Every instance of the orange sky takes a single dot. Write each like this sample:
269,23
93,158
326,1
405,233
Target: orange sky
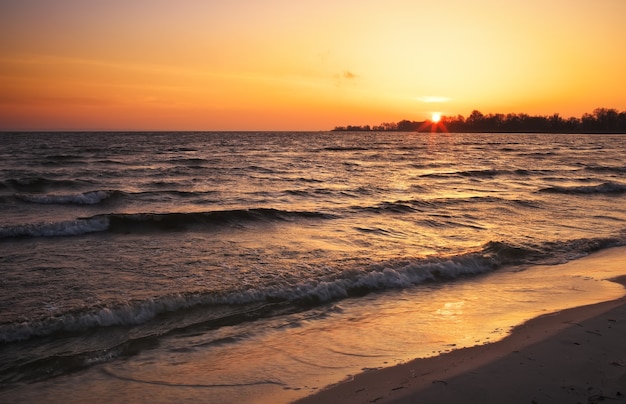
296,65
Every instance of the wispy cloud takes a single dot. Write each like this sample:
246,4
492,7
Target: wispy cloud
345,77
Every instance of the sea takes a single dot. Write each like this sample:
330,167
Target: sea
264,266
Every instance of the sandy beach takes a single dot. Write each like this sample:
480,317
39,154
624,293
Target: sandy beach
573,356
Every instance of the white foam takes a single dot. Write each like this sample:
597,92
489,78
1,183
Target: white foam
65,228
400,275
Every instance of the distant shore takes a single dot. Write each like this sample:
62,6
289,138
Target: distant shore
601,120
576,355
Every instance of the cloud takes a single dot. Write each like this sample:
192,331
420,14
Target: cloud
344,77
431,98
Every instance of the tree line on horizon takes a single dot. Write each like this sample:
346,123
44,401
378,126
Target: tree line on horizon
601,120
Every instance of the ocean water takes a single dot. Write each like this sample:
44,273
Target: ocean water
230,267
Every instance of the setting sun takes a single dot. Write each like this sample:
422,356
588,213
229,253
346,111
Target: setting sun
340,165
243,65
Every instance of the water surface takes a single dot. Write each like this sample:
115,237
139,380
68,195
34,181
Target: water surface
242,264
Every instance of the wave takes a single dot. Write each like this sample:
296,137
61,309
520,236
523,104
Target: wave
104,196
192,161
295,296
486,173
64,228
482,173
62,160
146,222
64,157
38,184
345,148
607,169
179,221
83,198
604,188
432,205
391,207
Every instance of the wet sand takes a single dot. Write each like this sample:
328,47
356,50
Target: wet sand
572,356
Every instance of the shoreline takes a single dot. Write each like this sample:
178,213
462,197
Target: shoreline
575,355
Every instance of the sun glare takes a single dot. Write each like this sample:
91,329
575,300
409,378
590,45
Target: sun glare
435,117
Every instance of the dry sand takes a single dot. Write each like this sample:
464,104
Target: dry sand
573,356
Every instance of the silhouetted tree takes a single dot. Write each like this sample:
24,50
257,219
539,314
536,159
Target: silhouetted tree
607,120
588,123
475,120
602,120
406,126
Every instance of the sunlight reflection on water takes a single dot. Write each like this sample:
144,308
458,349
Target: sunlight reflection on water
297,354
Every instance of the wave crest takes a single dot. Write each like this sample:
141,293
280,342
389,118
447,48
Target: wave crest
84,198
64,228
147,222
288,295
604,188
38,184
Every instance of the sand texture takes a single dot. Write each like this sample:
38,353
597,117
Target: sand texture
573,356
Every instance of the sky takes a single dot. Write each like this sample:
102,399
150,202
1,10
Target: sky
302,65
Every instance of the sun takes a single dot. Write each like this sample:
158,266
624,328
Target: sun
435,124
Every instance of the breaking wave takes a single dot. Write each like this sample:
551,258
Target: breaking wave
396,274
64,228
146,222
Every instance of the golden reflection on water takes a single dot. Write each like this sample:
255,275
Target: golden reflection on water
298,354
306,353
451,310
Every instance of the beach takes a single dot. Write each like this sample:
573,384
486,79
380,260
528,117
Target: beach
576,355
253,202
263,267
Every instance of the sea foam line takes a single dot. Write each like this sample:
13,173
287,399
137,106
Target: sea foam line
378,277
381,277
65,228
